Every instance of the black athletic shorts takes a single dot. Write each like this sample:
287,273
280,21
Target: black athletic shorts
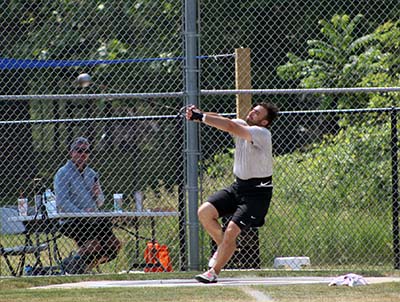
247,201
83,230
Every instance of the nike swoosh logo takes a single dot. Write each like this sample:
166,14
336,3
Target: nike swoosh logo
265,185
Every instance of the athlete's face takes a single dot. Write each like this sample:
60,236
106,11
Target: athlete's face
257,116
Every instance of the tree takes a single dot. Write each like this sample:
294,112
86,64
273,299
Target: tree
385,55
343,59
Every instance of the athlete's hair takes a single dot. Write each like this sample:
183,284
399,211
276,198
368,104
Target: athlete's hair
272,112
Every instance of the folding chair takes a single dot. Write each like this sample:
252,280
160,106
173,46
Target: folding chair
16,228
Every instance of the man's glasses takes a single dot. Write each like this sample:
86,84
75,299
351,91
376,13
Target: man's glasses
80,151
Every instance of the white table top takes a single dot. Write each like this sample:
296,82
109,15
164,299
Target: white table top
97,214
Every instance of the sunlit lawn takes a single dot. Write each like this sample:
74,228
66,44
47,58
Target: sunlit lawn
19,289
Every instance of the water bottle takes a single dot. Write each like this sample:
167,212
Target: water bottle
139,201
22,205
50,202
38,204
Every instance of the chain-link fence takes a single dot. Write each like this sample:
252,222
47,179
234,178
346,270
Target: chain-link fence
333,177
332,202
133,150
335,194
302,44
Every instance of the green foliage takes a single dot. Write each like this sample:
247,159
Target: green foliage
327,59
337,196
220,165
331,175
342,59
331,203
340,165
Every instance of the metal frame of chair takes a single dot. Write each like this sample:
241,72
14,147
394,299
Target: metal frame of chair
22,251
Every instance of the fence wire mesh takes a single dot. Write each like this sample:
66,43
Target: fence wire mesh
333,185
333,169
302,44
134,150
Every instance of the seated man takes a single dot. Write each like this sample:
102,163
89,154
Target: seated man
77,189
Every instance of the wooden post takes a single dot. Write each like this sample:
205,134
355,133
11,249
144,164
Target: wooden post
242,81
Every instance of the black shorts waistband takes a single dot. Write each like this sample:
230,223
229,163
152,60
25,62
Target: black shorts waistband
254,181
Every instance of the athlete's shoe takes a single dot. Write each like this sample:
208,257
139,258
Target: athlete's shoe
208,277
212,260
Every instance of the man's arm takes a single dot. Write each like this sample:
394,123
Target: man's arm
217,121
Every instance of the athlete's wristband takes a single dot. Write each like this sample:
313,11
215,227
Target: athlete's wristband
197,116
203,119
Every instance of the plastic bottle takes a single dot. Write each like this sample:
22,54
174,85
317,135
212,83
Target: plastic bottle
50,202
22,204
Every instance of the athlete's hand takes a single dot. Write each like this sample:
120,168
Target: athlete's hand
194,114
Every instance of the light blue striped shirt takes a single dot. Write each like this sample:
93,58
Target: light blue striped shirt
74,190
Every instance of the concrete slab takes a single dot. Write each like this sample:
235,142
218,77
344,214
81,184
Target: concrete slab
268,281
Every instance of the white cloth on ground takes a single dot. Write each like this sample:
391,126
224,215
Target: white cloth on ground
349,280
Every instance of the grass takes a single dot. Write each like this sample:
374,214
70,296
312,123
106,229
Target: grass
386,292
18,289
126,294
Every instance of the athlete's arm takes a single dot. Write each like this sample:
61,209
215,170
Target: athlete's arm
222,123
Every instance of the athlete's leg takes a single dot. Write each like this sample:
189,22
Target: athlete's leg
208,216
227,246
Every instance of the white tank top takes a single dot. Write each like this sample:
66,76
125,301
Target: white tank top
253,159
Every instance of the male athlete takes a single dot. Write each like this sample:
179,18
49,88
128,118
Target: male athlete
247,199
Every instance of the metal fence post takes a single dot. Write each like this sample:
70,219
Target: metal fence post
395,189
192,140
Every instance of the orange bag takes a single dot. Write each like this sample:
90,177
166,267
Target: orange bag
157,257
